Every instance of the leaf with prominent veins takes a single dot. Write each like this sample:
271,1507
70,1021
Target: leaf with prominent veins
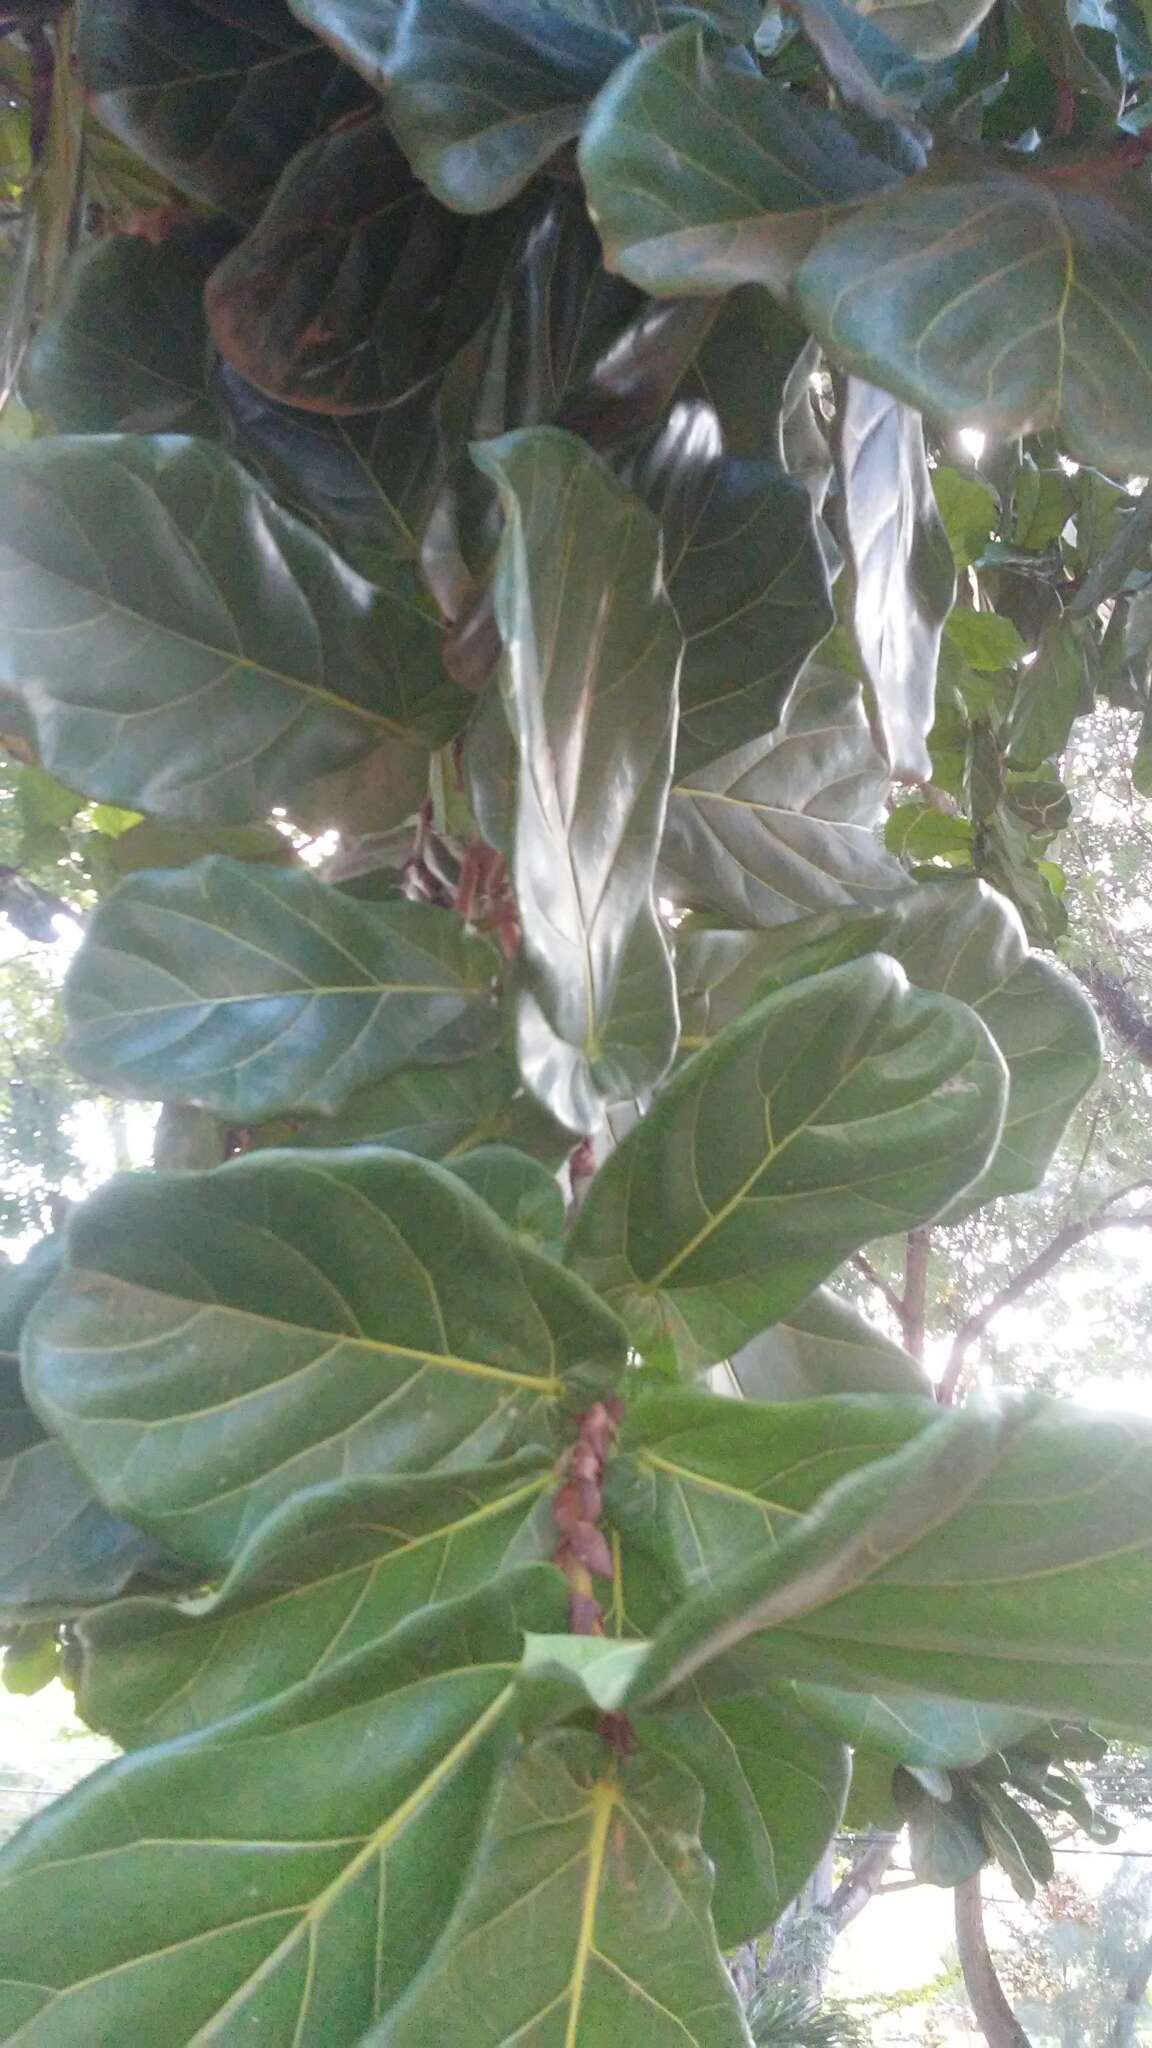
221,1340
255,991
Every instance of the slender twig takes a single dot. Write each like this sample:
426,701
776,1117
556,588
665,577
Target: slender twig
914,1307
1037,1269
864,1265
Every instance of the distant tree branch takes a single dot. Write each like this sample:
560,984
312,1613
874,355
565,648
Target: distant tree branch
914,1307
1122,2032
862,1881
864,1265
994,2016
1037,1269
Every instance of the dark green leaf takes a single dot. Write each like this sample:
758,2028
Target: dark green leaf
152,845
702,1483
1008,301
871,71
217,100
922,1572
945,1842
256,990
850,1097
700,174
902,567
227,655
482,92
1045,500
59,1549
747,578
355,288
1017,1841
774,1789
442,1112
1049,695
284,1874
590,671
824,1347
222,1339
970,511
523,1193
328,1573
584,1918
784,826
126,346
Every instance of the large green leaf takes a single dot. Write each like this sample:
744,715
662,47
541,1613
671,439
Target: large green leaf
442,1113
329,1572
524,1194
702,1483
774,1788
1008,301
784,826
216,99
938,1733
700,174
354,288
844,1108
928,28
482,92
746,576
283,1875
592,655
222,1339
903,581
824,1347
585,1918
183,646
960,938
1003,1556
59,1549
253,990
126,346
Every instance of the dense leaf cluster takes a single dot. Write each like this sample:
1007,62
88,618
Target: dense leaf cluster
504,454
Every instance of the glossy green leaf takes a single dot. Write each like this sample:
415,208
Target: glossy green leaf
774,1788
329,1572
482,92
1008,302
1045,500
126,346
217,100
927,28
960,938
902,567
969,509
924,1572
869,70
59,1549
702,1483
386,287
442,1112
585,1917
184,646
747,578
592,656
285,1873
784,826
702,1227
523,1193
701,175
255,990
824,1347
222,1339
